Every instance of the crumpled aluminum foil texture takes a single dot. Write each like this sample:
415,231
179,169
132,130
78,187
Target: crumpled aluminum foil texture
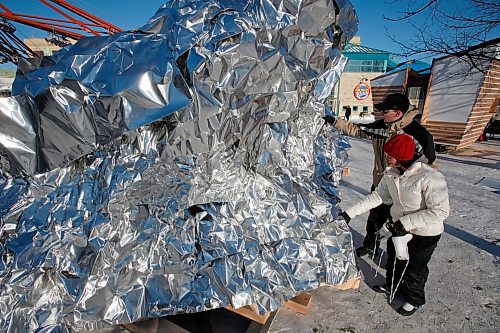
180,167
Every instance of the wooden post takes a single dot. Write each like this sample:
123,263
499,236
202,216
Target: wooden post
251,312
300,303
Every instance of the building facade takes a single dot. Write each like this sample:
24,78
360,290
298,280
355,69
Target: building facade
46,46
353,88
6,79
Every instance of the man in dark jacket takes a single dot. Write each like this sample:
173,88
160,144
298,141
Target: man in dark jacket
398,118
347,112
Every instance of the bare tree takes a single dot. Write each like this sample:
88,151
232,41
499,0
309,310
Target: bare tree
444,27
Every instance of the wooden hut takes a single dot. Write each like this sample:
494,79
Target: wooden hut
461,98
410,78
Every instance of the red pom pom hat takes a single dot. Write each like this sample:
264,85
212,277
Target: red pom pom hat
401,147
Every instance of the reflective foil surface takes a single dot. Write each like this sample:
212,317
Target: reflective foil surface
179,167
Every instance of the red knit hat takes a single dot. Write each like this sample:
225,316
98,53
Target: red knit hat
401,147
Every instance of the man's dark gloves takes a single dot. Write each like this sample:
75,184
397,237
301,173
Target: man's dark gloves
330,119
345,217
396,228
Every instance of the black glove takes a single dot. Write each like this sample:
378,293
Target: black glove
330,119
345,217
396,228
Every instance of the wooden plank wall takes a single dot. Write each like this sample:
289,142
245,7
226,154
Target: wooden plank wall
445,132
463,134
379,93
484,107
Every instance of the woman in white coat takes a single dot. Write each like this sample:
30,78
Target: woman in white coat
419,198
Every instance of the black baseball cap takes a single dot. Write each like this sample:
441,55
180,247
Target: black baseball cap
394,101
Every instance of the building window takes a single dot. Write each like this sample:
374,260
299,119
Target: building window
355,108
366,66
365,108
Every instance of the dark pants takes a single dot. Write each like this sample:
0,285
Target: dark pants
412,285
376,219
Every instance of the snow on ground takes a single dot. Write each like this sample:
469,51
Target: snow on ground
463,290
362,120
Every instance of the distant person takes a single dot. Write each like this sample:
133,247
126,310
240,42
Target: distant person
347,112
420,204
493,127
397,118
487,128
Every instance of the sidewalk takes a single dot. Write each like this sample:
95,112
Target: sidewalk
486,152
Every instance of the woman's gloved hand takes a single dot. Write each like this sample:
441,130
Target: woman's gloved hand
396,228
384,232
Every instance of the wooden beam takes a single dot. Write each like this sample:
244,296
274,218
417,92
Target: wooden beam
452,123
168,326
425,109
349,284
251,312
300,303
259,328
143,326
443,132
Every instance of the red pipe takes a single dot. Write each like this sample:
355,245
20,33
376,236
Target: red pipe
92,18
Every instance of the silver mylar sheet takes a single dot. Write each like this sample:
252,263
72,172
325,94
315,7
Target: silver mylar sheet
180,167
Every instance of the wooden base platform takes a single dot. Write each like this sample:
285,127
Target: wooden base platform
300,303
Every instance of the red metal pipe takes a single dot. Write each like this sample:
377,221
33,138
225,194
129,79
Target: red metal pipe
36,24
50,25
77,22
12,47
92,18
42,18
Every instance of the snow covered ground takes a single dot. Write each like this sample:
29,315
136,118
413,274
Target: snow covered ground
362,120
463,290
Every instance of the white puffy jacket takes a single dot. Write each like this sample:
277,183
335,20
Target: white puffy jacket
419,199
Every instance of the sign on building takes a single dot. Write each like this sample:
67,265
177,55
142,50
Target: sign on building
362,91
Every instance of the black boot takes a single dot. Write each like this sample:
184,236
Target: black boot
383,289
363,251
407,309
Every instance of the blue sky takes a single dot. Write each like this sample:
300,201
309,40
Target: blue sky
372,25
128,14
373,28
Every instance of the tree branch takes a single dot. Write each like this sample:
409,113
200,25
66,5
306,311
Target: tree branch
441,31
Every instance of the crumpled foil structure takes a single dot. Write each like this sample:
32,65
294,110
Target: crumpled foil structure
180,167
